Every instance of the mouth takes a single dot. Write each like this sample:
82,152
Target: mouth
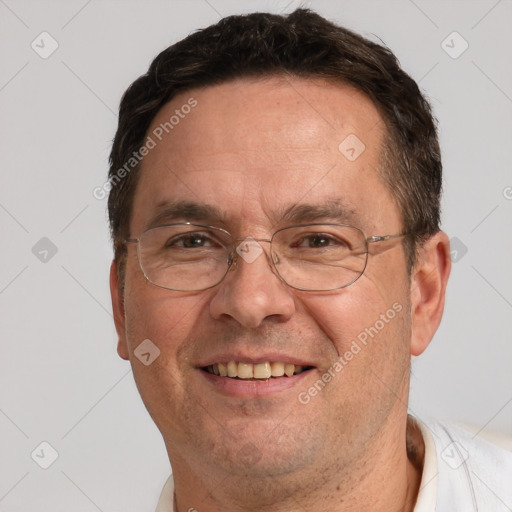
263,371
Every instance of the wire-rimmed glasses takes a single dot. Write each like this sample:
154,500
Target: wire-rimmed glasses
314,257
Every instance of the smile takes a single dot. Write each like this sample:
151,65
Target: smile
257,371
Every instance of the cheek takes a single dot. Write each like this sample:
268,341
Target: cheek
367,378
370,371
363,324
165,317
168,322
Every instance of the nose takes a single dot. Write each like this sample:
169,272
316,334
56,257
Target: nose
251,292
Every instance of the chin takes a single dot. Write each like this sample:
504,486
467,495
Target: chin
258,448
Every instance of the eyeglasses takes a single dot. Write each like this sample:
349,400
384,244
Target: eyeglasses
315,257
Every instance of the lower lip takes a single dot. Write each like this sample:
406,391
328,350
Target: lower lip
254,388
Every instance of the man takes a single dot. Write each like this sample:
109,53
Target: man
278,259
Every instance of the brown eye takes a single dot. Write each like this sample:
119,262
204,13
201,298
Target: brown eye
316,241
190,241
320,241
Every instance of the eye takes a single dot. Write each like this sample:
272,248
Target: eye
316,241
320,241
191,241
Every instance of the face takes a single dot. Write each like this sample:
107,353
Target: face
254,156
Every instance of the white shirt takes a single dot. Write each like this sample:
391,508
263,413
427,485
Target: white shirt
461,473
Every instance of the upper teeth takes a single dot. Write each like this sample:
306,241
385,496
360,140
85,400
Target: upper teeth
254,371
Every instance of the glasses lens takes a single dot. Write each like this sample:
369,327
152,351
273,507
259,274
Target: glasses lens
184,257
320,257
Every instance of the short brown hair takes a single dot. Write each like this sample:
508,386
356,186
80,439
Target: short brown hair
301,44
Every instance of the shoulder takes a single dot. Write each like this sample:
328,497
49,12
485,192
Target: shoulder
473,474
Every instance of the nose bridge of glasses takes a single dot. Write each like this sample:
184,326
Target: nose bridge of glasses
249,249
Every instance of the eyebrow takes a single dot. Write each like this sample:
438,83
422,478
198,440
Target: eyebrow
187,211
333,210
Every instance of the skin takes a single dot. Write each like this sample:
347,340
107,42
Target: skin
344,450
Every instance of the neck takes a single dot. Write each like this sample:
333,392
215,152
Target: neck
387,478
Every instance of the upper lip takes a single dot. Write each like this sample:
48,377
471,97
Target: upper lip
270,357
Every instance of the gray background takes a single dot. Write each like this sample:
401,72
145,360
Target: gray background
61,380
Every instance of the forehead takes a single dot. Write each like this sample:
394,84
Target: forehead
252,150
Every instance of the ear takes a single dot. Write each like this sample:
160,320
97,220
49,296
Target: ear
118,310
428,288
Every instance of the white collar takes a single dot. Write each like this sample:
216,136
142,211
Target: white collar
166,500
427,495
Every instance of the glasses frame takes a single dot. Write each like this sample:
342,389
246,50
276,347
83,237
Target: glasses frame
234,256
